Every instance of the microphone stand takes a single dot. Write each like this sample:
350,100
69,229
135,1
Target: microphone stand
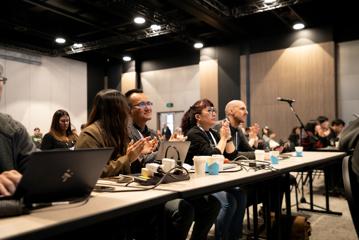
302,199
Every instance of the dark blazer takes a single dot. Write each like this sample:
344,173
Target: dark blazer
201,145
135,135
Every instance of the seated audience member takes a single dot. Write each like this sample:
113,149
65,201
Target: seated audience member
61,134
268,138
323,132
253,137
309,140
205,208
197,125
337,127
37,137
108,127
236,114
294,138
15,146
178,135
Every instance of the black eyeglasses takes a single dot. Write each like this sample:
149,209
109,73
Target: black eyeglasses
143,105
3,79
211,110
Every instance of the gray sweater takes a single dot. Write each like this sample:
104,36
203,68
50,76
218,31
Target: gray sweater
15,144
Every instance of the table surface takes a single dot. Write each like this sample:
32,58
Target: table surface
103,206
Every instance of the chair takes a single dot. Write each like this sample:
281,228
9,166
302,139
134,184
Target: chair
351,187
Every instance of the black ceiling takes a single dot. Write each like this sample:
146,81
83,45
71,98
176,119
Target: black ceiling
106,28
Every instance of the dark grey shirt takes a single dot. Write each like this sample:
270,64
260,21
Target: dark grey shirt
15,144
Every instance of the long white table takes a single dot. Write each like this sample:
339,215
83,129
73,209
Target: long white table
47,222
50,221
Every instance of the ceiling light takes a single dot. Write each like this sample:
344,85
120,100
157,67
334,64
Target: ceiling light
77,45
298,26
60,40
126,58
269,1
155,27
139,20
198,45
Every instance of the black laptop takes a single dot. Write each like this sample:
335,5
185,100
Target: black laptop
61,175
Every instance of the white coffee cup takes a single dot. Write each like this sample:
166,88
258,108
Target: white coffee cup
259,154
199,163
220,160
168,164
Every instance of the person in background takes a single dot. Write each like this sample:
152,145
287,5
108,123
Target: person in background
294,138
178,135
253,137
37,137
15,146
323,132
197,125
61,134
337,127
166,132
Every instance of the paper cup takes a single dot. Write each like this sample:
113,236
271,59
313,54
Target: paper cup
259,154
199,163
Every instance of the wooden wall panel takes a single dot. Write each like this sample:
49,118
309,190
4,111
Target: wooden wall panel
128,81
243,76
304,73
208,75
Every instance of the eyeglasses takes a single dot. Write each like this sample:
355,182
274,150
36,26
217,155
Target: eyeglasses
143,105
211,110
3,79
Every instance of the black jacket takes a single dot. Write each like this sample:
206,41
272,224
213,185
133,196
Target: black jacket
201,145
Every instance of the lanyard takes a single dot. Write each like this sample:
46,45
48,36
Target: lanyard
213,138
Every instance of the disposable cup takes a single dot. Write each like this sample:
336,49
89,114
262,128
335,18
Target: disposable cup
199,163
259,154
299,151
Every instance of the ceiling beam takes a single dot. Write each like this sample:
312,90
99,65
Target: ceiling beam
206,16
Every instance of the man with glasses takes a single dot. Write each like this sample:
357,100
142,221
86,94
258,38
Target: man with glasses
15,145
141,113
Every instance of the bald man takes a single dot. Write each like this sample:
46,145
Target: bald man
236,113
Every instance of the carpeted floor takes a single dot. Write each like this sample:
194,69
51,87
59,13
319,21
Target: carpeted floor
324,226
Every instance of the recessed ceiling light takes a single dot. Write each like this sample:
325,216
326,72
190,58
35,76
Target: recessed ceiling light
198,45
298,26
269,1
139,20
155,27
77,45
126,58
60,40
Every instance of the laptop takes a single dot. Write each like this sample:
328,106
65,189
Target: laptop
61,175
175,150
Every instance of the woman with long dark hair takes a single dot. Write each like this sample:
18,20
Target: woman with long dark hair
107,127
61,134
197,125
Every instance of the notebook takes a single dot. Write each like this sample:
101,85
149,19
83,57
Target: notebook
61,175
175,150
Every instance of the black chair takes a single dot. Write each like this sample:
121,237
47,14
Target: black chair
351,187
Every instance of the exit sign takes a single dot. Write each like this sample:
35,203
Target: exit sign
169,105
